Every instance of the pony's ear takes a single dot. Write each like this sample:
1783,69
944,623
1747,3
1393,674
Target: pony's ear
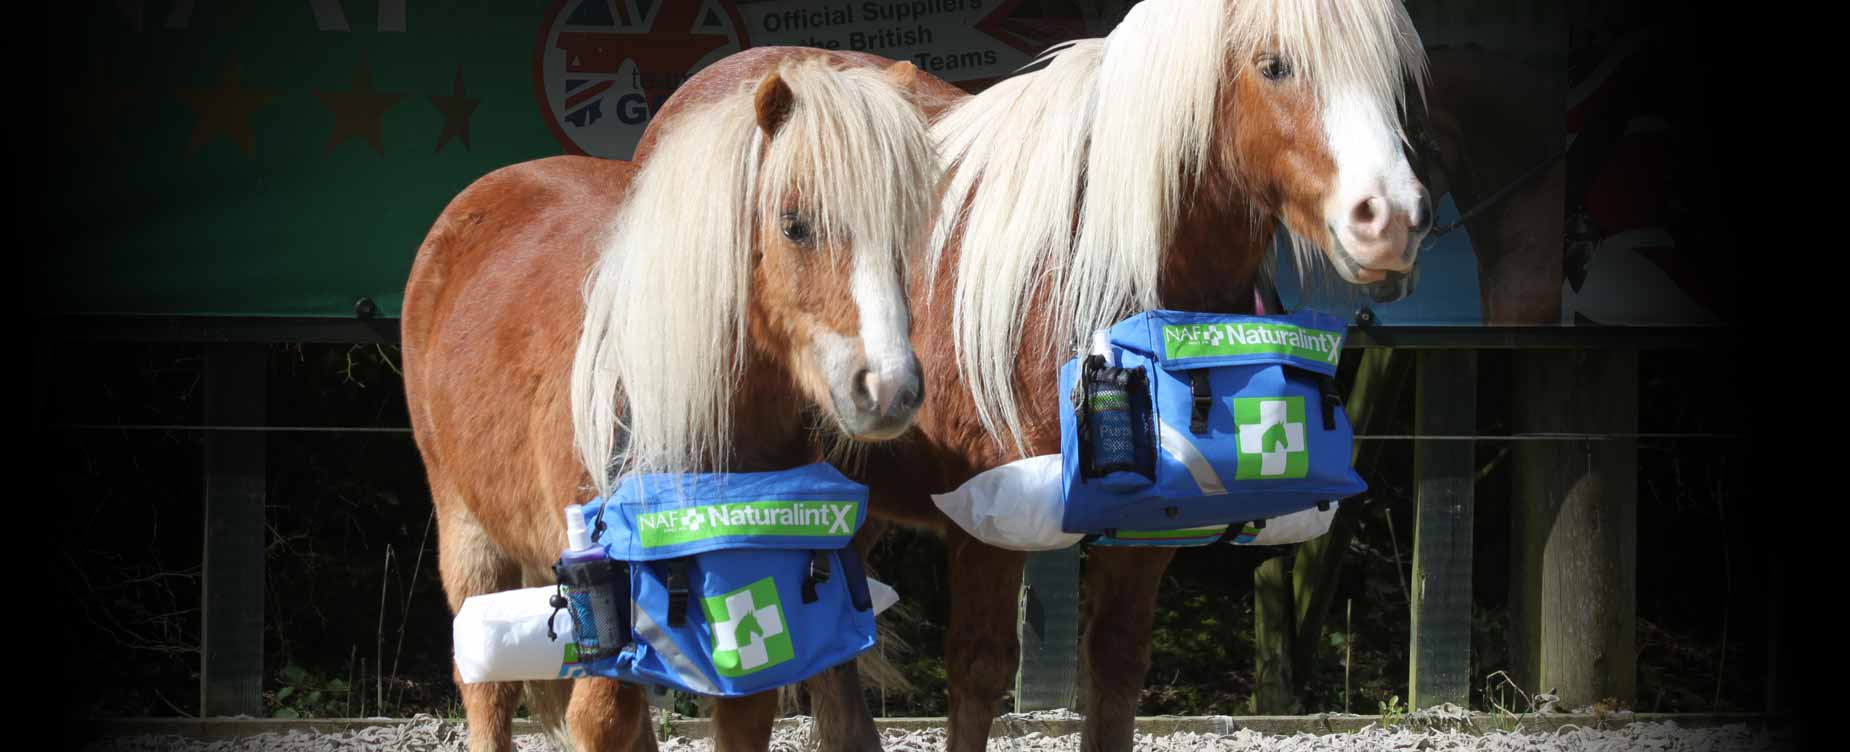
904,75
773,102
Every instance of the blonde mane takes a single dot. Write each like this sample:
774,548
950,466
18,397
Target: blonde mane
1115,132
664,339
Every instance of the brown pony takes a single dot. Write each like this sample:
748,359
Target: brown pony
1489,123
1141,170
715,309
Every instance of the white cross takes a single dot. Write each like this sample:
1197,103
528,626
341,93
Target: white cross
1271,460
725,633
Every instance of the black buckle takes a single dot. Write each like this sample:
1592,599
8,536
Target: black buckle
1331,401
676,582
819,572
1204,399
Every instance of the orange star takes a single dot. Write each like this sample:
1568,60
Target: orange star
455,108
224,109
359,112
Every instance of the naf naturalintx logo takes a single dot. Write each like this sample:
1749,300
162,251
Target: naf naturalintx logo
775,518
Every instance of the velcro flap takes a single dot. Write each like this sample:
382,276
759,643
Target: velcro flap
652,517
1182,340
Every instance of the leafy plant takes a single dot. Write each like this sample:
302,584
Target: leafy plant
305,695
1392,712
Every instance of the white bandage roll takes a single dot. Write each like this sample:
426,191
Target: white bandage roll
501,637
1016,506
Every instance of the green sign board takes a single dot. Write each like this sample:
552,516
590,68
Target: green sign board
286,157
279,158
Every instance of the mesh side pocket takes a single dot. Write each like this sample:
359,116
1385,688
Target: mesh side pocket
597,593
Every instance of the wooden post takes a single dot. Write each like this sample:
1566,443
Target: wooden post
1574,526
235,386
1048,628
1313,580
1275,689
1444,472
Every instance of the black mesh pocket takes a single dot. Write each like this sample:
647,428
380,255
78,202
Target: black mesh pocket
597,594
1113,415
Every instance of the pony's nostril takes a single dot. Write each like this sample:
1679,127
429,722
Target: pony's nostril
866,390
909,397
1369,219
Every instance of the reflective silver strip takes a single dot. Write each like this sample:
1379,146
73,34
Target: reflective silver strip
1184,451
651,633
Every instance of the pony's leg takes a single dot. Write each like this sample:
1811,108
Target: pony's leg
470,564
840,709
743,724
1120,609
606,714
981,651
843,723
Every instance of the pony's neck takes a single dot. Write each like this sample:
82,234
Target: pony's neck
768,430
1219,242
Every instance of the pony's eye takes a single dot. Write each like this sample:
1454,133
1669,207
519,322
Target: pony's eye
797,229
1273,68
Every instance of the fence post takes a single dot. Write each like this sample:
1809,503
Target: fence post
1048,628
1574,526
1444,471
235,387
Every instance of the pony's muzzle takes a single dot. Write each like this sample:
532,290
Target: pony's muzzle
887,398
1376,235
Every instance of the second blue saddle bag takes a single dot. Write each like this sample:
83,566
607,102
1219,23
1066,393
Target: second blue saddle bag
1231,419
736,582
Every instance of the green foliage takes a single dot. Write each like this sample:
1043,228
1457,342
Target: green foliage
301,694
1392,712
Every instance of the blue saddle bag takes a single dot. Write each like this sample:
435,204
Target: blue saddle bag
1233,419
737,582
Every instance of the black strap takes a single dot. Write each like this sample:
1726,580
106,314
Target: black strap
819,572
852,568
1331,401
1204,399
558,603
1232,531
677,591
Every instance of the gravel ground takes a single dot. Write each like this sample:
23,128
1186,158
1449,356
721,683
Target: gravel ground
427,734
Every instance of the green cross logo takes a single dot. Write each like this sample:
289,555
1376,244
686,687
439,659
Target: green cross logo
748,629
1271,431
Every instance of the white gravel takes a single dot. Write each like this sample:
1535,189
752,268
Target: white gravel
427,734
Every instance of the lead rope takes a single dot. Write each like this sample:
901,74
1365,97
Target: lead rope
1509,188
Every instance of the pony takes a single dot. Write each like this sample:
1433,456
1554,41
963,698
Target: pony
726,307
1490,135
1146,169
